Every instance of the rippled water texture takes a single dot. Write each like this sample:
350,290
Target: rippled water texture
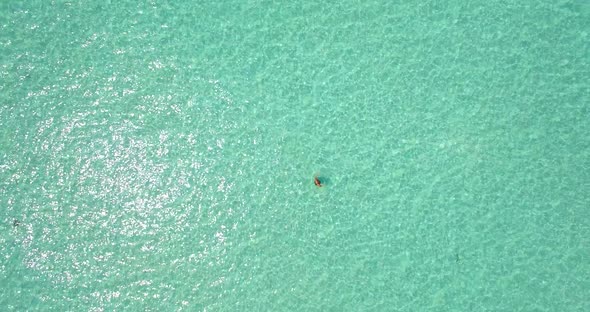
160,156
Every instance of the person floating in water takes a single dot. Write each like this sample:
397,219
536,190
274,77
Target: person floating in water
317,182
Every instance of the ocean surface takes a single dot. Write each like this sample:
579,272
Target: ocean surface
160,155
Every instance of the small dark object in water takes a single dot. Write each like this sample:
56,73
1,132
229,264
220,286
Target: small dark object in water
317,182
15,223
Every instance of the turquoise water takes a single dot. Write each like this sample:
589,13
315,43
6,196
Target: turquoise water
160,156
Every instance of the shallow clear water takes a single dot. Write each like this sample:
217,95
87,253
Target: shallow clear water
160,156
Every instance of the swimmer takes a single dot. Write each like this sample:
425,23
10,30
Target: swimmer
317,181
